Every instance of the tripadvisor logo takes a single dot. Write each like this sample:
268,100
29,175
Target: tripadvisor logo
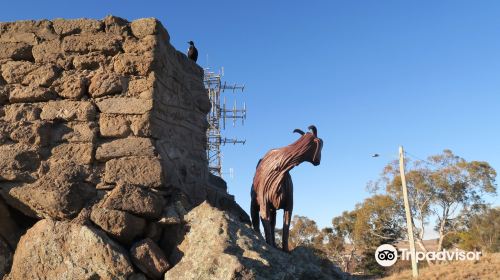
387,255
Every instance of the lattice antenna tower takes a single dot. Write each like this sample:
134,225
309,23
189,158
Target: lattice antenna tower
218,116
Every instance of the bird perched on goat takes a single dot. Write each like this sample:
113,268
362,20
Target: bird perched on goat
272,187
192,52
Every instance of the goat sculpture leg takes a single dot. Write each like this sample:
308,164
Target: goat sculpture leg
273,227
254,211
286,228
266,222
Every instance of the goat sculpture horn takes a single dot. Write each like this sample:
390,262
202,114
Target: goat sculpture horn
314,130
299,131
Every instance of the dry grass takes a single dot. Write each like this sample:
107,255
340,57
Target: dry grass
488,267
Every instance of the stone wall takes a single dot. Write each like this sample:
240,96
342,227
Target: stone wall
102,122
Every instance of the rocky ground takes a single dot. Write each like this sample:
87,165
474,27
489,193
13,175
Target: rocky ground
218,246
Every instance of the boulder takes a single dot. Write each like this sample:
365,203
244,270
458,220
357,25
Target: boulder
135,200
232,250
121,225
149,258
65,250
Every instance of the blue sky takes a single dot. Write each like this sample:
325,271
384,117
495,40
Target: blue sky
371,75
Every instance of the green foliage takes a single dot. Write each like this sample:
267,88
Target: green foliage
441,187
303,232
482,232
444,186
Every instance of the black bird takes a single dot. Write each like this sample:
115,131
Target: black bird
192,51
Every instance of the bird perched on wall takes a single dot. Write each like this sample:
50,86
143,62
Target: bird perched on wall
192,51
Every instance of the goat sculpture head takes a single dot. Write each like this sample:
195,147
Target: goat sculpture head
312,145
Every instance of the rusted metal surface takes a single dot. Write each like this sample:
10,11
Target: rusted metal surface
272,187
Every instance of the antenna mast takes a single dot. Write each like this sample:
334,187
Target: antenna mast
218,115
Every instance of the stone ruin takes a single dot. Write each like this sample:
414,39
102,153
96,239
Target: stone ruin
102,155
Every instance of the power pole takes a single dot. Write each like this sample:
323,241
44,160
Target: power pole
409,224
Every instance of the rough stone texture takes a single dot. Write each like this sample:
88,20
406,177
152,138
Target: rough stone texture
149,26
149,258
170,216
106,43
143,171
43,76
18,161
30,93
73,85
60,194
131,146
21,112
218,246
133,64
124,105
102,122
81,153
105,84
121,225
15,51
74,132
15,71
64,250
31,133
68,111
135,200
66,27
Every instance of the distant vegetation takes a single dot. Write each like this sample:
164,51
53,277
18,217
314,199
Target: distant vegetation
445,189
487,268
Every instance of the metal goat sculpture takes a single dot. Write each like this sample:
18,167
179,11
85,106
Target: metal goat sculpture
272,187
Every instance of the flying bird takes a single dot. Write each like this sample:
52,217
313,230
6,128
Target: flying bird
375,155
192,51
